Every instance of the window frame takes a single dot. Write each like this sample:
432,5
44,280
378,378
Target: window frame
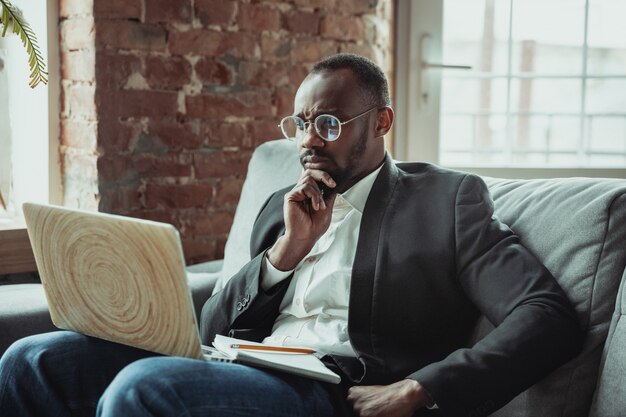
13,235
416,129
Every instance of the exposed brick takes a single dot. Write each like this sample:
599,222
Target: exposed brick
132,35
326,5
283,101
167,72
81,101
116,168
302,22
158,216
127,9
114,69
297,74
213,72
220,244
78,134
198,250
356,6
168,11
178,195
120,200
343,27
258,17
275,48
227,192
220,164
137,103
220,134
79,65
211,43
116,136
244,104
216,12
168,165
313,49
176,136
263,74
69,8
359,49
212,223
263,130
77,33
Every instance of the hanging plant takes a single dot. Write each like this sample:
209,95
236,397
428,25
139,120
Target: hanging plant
12,18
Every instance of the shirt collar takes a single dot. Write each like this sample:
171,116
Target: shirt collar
357,195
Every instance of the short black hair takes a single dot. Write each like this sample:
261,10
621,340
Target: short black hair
369,75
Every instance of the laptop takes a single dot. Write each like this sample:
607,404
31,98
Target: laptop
123,279
116,278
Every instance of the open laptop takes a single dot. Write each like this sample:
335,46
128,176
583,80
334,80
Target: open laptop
116,278
123,279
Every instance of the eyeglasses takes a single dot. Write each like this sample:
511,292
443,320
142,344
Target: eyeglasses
327,126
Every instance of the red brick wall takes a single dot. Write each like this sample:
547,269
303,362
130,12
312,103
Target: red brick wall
183,91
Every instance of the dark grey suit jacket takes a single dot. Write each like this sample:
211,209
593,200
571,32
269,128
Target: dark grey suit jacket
431,258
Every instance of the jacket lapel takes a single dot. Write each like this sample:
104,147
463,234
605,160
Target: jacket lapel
365,260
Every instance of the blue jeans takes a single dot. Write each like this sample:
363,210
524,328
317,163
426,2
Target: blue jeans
67,374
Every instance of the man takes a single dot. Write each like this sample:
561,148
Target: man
385,267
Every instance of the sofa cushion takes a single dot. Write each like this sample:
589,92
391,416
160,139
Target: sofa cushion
24,311
577,227
610,397
274,165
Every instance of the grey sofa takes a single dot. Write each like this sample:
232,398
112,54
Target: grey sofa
576,226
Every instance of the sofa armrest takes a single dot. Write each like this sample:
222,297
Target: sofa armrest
210,266
610,395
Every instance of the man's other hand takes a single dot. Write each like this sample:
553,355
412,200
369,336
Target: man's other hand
400,399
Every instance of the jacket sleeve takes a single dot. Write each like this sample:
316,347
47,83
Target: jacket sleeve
536,327
242,304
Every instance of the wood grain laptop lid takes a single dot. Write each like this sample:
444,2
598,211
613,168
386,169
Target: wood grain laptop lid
115,278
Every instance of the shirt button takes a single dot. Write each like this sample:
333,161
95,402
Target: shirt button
306,306
297,301
312,259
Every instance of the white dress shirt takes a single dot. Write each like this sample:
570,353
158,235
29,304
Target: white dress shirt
314,310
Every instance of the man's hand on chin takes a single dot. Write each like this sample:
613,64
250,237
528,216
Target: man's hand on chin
400,399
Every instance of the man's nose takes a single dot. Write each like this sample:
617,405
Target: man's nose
310,138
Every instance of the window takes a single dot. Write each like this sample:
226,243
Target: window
29,118
546,87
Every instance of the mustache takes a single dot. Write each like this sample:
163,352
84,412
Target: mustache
310,153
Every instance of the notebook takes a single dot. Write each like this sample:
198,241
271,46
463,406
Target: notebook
123,279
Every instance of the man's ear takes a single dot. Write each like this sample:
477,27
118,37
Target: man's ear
384,121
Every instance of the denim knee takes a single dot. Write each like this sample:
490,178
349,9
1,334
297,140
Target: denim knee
133,390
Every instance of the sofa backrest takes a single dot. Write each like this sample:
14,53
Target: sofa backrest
576,226
610,396
273,166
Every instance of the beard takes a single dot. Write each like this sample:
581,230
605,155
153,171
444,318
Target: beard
343,176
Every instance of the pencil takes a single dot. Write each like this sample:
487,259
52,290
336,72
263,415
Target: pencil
278,349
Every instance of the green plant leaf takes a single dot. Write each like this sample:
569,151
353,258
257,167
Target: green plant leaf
12,17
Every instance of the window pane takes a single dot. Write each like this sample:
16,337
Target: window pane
606,96
563,133
545,95
470,139
607,135
548,36
607,37
471,95
545,133
476,33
